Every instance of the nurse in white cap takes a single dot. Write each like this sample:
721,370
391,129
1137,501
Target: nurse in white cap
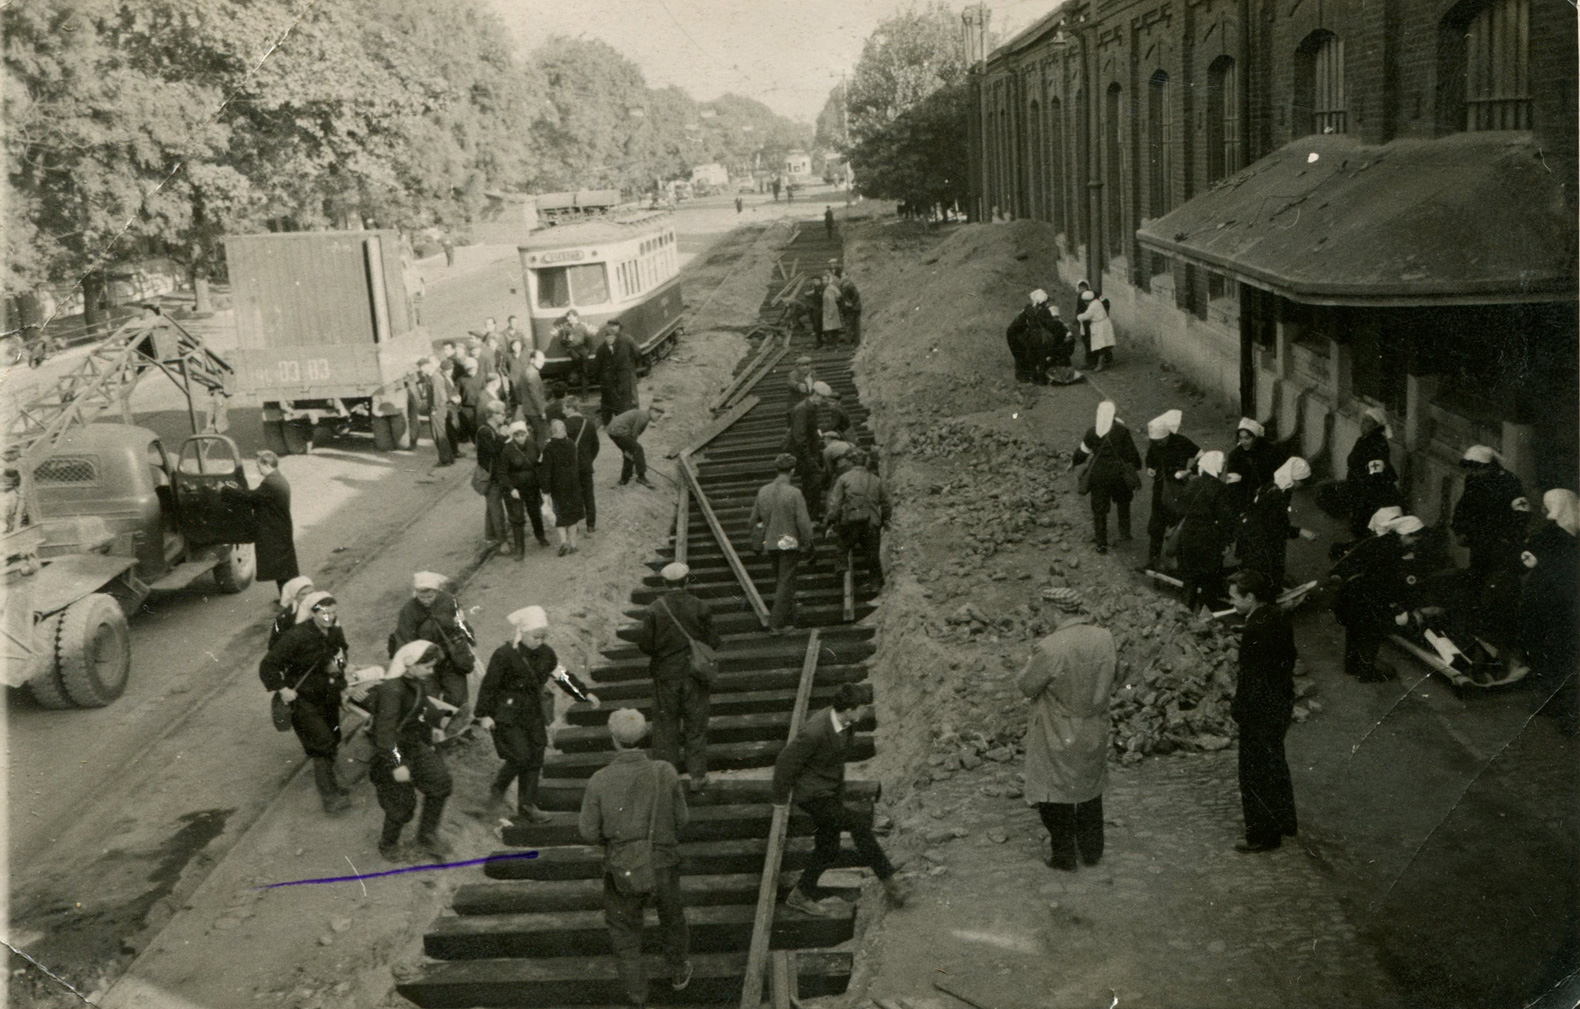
1266,529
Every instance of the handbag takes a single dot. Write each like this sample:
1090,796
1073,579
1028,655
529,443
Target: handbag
480,480
280,709
630,863
1083,480
704,660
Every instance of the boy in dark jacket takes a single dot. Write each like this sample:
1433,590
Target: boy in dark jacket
1263,706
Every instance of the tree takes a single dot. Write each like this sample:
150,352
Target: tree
830,133
921,156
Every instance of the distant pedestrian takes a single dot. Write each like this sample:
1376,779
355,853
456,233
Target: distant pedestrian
630,800
306,667
1168,460
518,474
624,431
448,245
850,310
1265,528
512,706
812,294
405,761
828,222
780,525
561,477
1068,681
274,545
291,595
1263,706
1370,481
1112,477
858,508
810,770
738,205
680,698
833,324
437,392
490,440
1095,313
432,614
582,430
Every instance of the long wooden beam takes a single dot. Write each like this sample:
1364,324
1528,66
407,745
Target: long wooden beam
689,472
744,379
718,426
756,373
682,523
768,888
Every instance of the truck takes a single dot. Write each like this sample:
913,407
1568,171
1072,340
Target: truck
328,334
99,517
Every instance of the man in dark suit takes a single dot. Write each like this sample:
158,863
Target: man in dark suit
1264,701
671,623
812,767
275,539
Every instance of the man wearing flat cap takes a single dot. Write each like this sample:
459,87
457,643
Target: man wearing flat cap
1068,681
432,614
632,799
511,704
781,528
673,621
805,442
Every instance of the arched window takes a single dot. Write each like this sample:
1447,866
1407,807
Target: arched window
1319,84
1038,204
1056,162
1113,175
1160,141
1223,119
1497,71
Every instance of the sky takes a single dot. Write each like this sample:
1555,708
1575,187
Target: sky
787,54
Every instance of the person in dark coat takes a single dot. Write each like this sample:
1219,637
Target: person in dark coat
471,389
404,761
1028,338
616,364
1112,478
1370,577
307,668
779,524
274,545
1168,460
805,442
625,430
432,614
1549,626
850,310
560,473
1263,707
1206,525
517,472
680,699
291,612
1370,481
1265,528
858,507
1250,465
811,770
813,302
490,439
582,431
1490,522
512,706
437,393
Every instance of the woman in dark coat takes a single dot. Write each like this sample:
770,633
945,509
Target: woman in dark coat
582,431
274,543
1250,465
1370,481
1265,528
560,475
1263,707
1206,523
517,472
1168,453
1113,477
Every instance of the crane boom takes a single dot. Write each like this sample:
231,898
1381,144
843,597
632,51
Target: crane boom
104,379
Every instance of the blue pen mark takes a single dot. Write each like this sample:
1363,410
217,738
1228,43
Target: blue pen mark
396,872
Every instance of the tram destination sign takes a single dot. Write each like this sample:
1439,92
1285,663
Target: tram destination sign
564,256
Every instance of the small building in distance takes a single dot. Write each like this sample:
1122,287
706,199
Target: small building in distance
711,174
798,166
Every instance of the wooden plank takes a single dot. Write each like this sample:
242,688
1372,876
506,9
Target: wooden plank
743,379
781,988
727,822
850,593
758,372
768,891
747,585
718,426
697,858
527,896
725,756
682,523
565,794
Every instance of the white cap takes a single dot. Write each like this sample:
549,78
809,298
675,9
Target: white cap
1247,424
1481,454
539,358
628,726
1211,463
519,425
1406,524
406,657
1164,424
1039,296
1378,523
529,618
675,572
1294,469
1105,418
427,580
289,590
823,389
1563,508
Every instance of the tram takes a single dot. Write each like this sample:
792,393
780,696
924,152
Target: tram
616,268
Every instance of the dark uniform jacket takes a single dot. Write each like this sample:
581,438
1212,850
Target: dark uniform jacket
583,433
517,468
627,796
1483,516
813,763
1167,457
559,474
1206,524
1367,574
436,624
512,690
306,651
400,719
1265,529
1370,479
1264,696
1111,455
1254,466
858,497
616,362
664,642
489,442
803,440
275,542
1549,608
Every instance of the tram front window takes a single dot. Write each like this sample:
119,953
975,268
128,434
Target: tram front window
564,286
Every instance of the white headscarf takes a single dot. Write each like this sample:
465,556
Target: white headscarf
1211,463
1105,418
1293,470
1039,296
1378,523
1247,424
528,618
406,657
1563,508
1405,525
1164,424
1376,414
1481,454
304,609
289,590
427,580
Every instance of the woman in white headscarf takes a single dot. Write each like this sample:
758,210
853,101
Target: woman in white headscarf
1370,481
405,762
1168,460
1265,528
1206,523
1549,622
1094,313
1249,465
1113,477
291,595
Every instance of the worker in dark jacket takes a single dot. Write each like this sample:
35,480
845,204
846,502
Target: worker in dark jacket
858,507
490,439
517,472
511,704
582,431
850,310
1028,338
625,430
1112,478
1370,481
811,769
432,614
616,362
274,543
1250,465
1206,526
307,667
1368,576
1490,523
1265,528
672,622
806,443
470,388
404,760
1263,706
438,394
633,798
1168,460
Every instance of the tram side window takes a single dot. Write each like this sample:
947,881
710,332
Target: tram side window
563,286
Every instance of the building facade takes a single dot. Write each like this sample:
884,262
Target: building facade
1311,207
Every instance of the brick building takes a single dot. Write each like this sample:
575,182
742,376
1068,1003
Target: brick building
1313,206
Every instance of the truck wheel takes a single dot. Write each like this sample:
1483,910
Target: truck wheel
274,437
296,435
95,650
235,572
44,684
385,437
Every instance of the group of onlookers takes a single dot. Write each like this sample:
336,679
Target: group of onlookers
1043,347
831,304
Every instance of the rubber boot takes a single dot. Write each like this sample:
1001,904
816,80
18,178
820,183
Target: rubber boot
329,792
389,841
428,838
518,540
